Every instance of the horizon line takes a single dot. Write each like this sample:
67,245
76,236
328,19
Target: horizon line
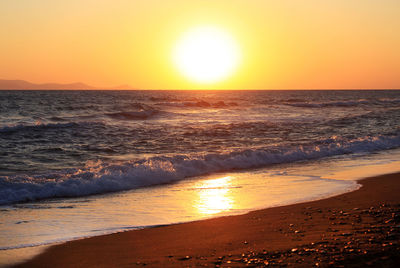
204,89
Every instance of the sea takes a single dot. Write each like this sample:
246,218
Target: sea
76,164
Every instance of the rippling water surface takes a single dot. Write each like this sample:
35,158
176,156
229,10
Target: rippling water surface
73,143
224,151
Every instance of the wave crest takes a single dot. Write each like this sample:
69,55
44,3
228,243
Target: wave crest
23,127
199,104
102,177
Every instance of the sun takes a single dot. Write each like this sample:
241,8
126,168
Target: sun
206,54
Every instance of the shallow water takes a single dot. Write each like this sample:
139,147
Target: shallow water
231,193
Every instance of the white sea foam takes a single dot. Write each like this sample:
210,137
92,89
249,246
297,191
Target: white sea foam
102,177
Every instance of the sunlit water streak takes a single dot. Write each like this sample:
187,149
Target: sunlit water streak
214,195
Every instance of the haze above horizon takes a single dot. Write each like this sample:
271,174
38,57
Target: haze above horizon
246,45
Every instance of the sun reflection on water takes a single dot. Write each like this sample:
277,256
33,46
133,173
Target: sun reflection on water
215,196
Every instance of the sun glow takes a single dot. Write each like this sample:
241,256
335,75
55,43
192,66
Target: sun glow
206,55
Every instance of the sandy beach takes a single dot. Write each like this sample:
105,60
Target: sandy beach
354,229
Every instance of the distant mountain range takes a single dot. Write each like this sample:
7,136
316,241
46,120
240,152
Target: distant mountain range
21,84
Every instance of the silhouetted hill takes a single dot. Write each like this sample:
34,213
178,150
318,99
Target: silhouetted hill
21,84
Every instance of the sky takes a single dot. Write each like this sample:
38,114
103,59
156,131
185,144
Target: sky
314,44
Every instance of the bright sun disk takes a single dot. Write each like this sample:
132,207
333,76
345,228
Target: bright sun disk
206,55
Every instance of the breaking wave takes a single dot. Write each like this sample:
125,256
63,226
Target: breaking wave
101,177
141,112
349,103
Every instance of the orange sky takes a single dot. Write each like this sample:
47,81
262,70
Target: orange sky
285,44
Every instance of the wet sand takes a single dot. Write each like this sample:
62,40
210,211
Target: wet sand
360,228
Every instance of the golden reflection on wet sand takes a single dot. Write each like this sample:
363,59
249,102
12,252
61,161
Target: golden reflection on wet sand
214,196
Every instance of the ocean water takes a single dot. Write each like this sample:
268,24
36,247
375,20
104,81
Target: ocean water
82,163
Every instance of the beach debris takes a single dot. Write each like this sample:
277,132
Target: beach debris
19,222
371,241
185,258
218,262
346,234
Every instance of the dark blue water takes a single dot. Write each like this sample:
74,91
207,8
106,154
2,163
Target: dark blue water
74,143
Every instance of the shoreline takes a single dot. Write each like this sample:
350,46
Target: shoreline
18,255
287,234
